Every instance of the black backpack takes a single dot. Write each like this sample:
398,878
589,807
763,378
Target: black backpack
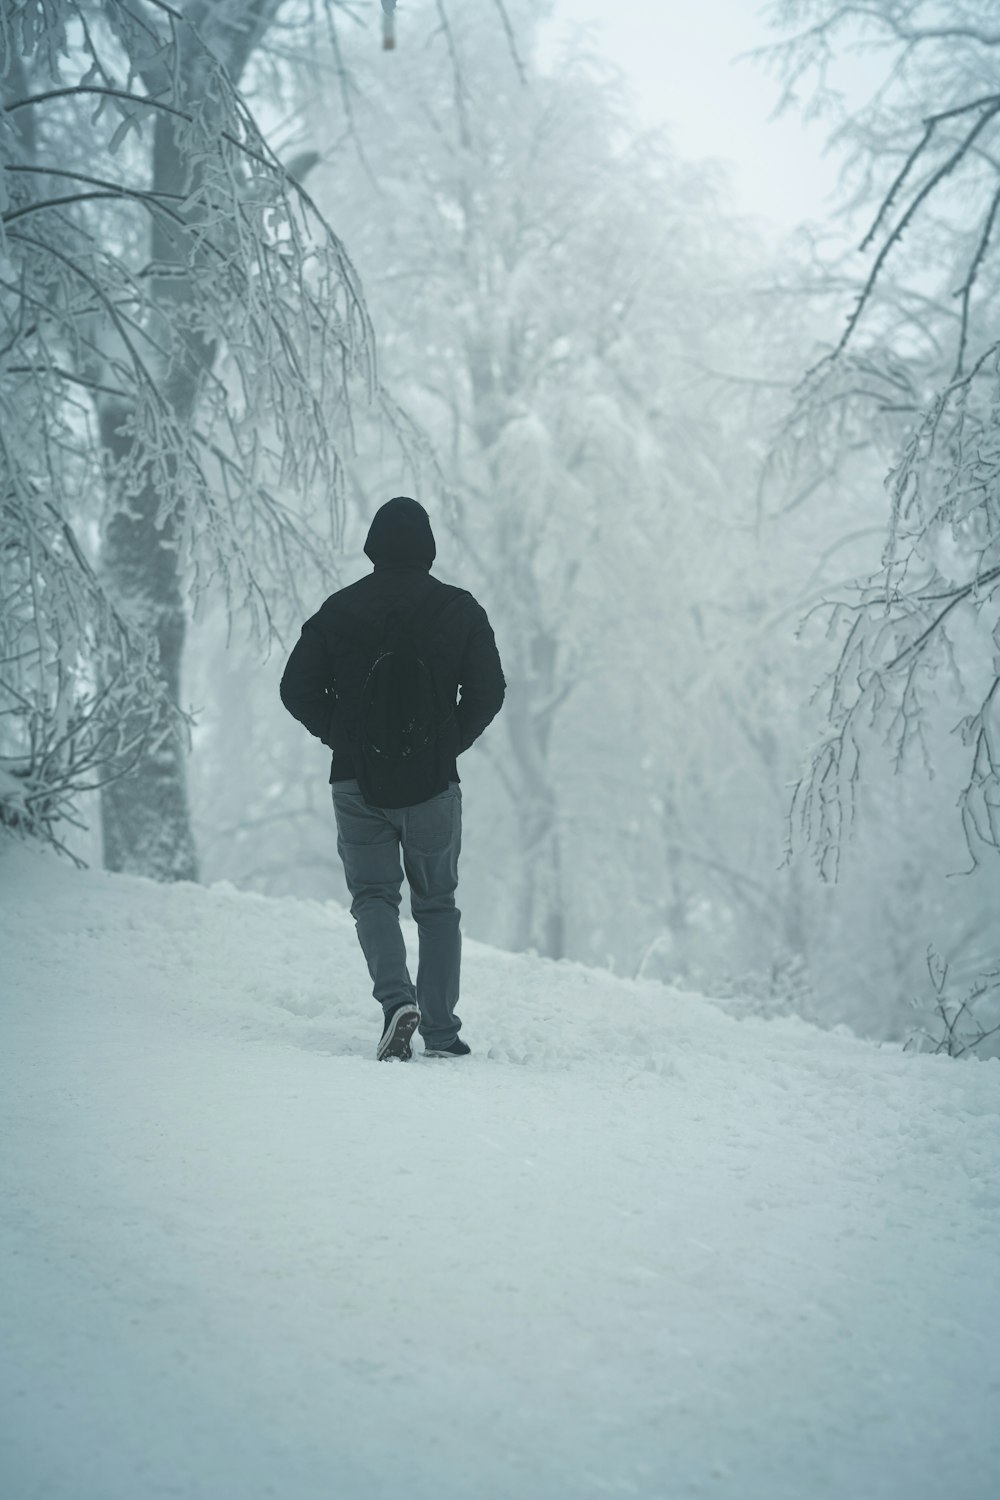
406,737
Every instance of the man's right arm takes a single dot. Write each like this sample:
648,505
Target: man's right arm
307,683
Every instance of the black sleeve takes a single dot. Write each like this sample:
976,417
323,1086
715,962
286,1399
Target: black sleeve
307,684
481,682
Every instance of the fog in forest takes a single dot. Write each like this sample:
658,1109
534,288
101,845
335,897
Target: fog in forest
712,435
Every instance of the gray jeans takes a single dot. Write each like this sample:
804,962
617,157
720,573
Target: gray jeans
369,840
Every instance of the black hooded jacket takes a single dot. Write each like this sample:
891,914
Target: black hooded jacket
325,675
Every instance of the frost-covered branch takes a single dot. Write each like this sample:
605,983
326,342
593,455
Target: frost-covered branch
918,636
962,1022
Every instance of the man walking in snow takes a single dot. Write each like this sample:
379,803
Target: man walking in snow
398,674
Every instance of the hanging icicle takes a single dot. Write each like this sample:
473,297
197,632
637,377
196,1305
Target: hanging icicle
388,25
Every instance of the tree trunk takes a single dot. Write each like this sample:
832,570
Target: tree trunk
540,921
539,911
145,816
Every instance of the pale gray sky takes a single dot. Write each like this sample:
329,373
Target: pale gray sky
680,56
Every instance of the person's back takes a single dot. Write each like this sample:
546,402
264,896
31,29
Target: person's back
400,645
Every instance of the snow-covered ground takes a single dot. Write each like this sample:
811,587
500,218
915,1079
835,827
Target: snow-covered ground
631,1247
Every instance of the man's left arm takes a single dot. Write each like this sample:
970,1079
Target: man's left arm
307,683
482,684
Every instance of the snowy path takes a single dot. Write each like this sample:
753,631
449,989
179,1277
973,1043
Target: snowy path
631,1248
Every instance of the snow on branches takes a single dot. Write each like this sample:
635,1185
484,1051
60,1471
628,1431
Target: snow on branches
919,360
180,335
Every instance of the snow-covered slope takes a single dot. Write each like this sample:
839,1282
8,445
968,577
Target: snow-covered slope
631,1247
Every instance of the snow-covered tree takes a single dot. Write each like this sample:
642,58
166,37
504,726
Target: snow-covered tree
543,283
919,350
919,359
179,328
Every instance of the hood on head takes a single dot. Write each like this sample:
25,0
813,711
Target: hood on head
400,535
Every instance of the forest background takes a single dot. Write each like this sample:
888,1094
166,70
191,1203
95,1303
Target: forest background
732,507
